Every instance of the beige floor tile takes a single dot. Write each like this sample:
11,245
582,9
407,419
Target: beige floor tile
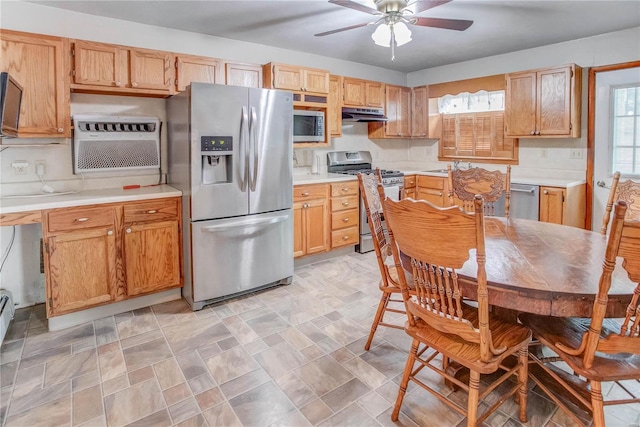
176,394
231,364
197,421
74,366
184,410
280,359
294,418
323,375
345,394
133,403
373,404
146,354
191,364
38,397
244,382
136,325
194,333
295,389
268,324
141,375
112,365
262,405
221,415
352,415
202,383
367,373
115,384
316,411
87,404
168,373
157,419
209,398
240,329
53,413
65,337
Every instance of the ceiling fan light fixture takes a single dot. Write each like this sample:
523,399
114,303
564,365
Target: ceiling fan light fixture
402,33
382,35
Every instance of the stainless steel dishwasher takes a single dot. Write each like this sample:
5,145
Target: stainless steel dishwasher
524,204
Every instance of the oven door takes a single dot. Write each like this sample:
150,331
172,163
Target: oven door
394,192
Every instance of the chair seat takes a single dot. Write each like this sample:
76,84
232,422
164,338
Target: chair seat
510,335
568,331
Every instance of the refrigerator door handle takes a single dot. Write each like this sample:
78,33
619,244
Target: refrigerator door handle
243,224
244,146
253,131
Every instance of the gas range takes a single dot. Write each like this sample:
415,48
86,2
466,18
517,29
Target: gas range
355,162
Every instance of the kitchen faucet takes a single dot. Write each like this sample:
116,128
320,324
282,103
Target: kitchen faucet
456,165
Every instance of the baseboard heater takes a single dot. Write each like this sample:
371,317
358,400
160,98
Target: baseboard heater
6,312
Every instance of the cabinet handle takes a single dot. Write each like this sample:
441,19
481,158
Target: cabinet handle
118,83
537,132
345,203
440,193
532,132
110,233
305,205
305,194
345,237
128,230
345,189
82,219
60,130
152,211
134,84
545,192
345,219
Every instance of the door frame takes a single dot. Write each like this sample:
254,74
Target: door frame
591,126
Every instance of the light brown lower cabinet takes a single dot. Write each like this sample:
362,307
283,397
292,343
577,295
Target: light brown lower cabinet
99,254
564,206
310,219
434,189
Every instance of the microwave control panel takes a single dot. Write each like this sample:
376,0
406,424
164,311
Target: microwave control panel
216,143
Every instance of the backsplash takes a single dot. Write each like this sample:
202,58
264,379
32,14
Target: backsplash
548,158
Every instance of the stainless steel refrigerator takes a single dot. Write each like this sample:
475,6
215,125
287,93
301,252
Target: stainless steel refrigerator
231,154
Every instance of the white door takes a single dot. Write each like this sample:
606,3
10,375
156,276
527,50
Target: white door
606,82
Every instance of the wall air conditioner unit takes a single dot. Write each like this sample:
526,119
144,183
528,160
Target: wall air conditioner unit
115,143
6,312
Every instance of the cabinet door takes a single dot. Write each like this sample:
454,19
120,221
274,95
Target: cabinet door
298,229
39,64
287,77
354,92
151,69
81,270
554,102
199,69
404,112
151,257
316,220
316,81
392,111
520,104
420,112
335,106
374,94
97,64
247,75
552,204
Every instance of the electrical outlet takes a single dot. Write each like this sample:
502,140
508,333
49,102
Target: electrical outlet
41,167
543,153
575,153
20,167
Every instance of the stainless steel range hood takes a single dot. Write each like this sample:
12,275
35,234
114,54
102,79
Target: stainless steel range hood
363,115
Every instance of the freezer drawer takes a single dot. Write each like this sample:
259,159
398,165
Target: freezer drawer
239,254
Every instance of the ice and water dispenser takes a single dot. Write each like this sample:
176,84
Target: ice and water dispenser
216,154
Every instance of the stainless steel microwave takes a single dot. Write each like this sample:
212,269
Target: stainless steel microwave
308,126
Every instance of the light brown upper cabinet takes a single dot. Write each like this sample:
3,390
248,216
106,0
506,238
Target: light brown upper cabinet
39,64
363,93
398,111
200,69
105,68
248,75
334,109
544,103
297,79
420,112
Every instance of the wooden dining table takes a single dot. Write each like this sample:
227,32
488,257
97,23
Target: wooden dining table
545,268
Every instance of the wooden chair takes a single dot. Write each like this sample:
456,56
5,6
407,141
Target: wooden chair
389,277
629,191
596,349
433,243
465,184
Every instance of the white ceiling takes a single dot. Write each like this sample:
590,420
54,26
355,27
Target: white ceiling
499,26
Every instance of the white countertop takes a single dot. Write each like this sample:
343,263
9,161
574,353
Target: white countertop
88,197
322,178
548,182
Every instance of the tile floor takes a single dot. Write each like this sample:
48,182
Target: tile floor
288,356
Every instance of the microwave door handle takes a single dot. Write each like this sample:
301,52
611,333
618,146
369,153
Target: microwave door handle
244,147
253,131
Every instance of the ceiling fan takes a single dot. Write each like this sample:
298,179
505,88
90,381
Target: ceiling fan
393,17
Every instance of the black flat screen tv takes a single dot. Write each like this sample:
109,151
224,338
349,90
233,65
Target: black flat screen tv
10,100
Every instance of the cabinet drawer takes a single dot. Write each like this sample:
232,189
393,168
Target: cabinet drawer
409,193
347,236
306,192
343,219
152,210
344,189
431,182
409,181
343,203
79,218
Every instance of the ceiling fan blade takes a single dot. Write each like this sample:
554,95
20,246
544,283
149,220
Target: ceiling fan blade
339,30
422,5
356,6
447,24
